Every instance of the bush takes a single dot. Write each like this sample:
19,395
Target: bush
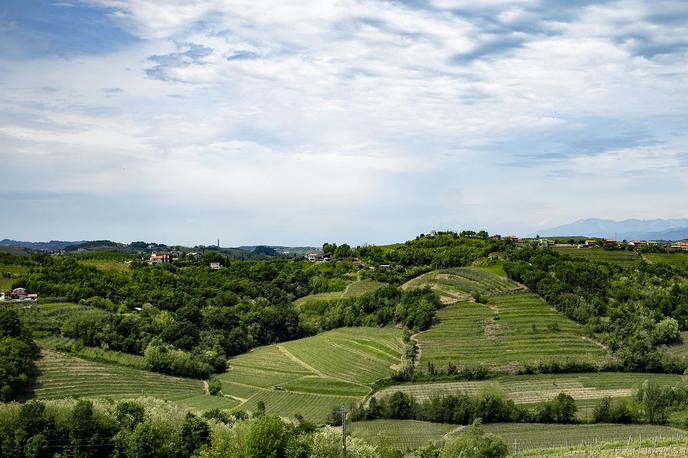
475,443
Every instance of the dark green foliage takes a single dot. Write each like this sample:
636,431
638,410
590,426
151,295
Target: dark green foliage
475,443
561,409
17,352
267,438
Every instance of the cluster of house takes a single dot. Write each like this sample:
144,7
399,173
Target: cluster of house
317,257
679,246
18,295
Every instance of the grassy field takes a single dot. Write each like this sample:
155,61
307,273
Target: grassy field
94,353
527,436
9,274
63,376
309,376
587,388
620,257
14,251
460,283
355,289
401,434
665,258
510,330
106,264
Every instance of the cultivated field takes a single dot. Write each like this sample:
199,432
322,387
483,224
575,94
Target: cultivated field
106,264
309,376
355,289
663,258
526,436
401,434
461,283
63,376
620,257
510,330
533,389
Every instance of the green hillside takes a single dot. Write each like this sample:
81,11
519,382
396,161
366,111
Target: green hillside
309,376
461,283
509,331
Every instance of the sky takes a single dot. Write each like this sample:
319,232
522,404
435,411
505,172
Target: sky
299,122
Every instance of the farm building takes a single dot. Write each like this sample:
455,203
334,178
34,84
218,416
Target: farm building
313,257
590,243
215,266
18,294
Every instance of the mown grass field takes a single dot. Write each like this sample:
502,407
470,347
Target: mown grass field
401,434
587,388
509,331
354,289
665,258
620,257
106,264
63,376
94,353
310,376
527,436
461,283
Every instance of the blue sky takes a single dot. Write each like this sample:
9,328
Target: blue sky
361,121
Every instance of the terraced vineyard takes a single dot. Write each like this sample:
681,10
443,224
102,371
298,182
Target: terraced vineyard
527,436
461,283
402,434
309,376
62,376
508,331
619,257
355,289
533,389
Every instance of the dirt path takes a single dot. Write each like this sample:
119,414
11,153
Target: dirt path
452,432
206,391
298,361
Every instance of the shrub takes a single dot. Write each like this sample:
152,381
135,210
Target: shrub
475,443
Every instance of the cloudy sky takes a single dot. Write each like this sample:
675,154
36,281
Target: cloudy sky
260,121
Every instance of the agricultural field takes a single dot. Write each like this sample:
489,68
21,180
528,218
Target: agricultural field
665,258
9,274
587,388
508,331
63,376
310,376
354,289
619,257
461,283
45,319
106,264
528,436
401,434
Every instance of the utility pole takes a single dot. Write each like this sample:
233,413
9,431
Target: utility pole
343,431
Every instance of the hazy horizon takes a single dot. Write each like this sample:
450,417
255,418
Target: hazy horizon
348,121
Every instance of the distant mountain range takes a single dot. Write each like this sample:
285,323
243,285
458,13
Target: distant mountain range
51,245
628,229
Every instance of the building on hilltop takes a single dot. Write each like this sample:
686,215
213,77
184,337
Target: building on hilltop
18,295
314,257
159,258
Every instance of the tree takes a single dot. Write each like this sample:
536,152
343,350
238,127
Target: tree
194,434
147,441
563,408
267,438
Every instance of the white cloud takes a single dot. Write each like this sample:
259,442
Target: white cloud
361,108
